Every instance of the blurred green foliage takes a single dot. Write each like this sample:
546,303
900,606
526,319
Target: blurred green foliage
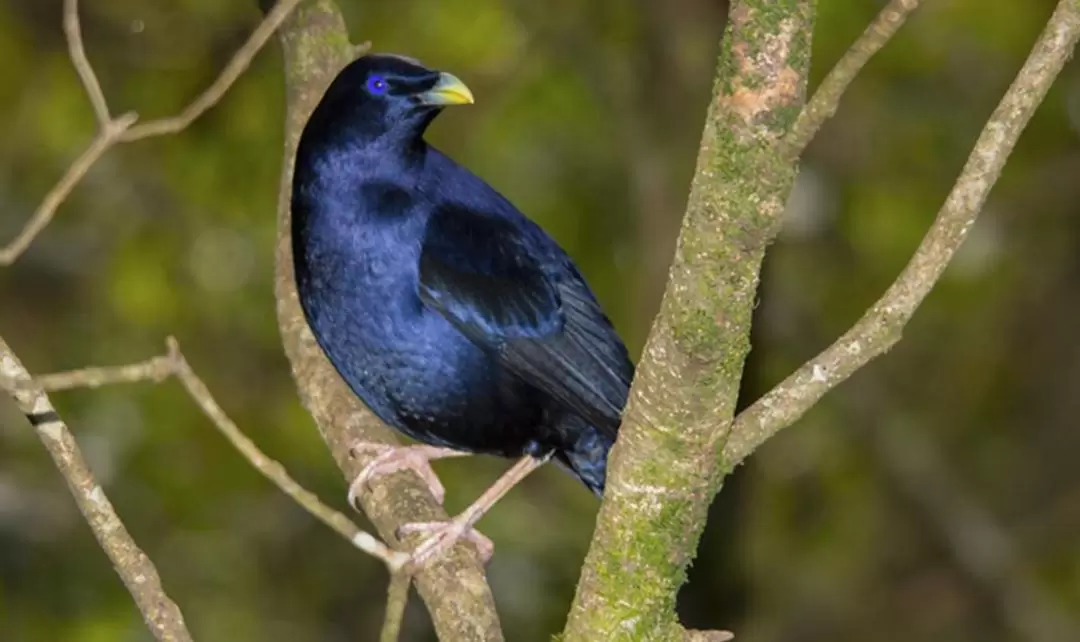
587,117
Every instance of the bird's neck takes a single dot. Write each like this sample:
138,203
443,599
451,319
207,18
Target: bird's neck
338,166
352,192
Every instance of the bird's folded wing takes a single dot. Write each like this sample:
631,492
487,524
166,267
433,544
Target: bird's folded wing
540,319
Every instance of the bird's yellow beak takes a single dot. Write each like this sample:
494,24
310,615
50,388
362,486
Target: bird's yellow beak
448,90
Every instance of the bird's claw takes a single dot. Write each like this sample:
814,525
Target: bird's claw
391,459
442,536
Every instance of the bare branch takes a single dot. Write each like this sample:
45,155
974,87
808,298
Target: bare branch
239,63
120,130
135,569
110,133
397,598
274,471
708,636
826,98
78,57
157,369
881,327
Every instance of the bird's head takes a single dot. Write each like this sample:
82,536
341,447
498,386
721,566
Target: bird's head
381,94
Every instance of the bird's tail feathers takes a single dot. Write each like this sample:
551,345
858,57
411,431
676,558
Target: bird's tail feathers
586,455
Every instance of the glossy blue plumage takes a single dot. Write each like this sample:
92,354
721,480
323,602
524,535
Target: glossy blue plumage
453,317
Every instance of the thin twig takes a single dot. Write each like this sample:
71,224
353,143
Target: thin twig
397,597
82,65
135,569
694,635
239,63
274,471
157,369
120,130
880,328
109,135
826,98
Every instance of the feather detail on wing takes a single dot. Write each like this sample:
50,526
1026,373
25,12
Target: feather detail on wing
540,320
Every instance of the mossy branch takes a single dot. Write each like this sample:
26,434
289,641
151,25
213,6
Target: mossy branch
316,47
663,472
882,325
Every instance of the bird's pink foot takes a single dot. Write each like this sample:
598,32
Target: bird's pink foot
445,534
391,459
442,536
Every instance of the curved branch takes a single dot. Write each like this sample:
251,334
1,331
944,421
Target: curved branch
174,364
133,566
109,135
881,327
826,98
454,589
210,97
114,131
73,32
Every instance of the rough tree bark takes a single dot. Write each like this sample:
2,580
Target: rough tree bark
316,46
664,470
660,485
674,448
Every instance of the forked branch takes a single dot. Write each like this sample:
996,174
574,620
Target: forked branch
826,98
174,364
113,131
881,327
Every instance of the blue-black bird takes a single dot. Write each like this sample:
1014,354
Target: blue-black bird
453,317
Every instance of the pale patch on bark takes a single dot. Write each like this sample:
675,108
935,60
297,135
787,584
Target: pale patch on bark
778,83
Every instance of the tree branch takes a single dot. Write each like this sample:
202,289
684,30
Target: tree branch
43,215
174,364
316,47
397,598
121,129
210,97
826,98
882,325
73,32
135,569
156,370
274,471
663,471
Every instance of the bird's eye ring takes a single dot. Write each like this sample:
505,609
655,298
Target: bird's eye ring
376,85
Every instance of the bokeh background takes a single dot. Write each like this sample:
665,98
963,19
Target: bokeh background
935,496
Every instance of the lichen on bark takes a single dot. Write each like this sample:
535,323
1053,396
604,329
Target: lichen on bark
664,470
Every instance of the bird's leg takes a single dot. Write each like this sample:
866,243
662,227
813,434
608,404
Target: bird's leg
443,535
391,459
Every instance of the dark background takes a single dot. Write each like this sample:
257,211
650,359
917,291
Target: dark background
935,496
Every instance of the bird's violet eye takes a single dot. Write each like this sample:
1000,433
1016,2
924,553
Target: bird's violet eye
376,85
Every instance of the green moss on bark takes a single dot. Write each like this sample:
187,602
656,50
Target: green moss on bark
664,469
